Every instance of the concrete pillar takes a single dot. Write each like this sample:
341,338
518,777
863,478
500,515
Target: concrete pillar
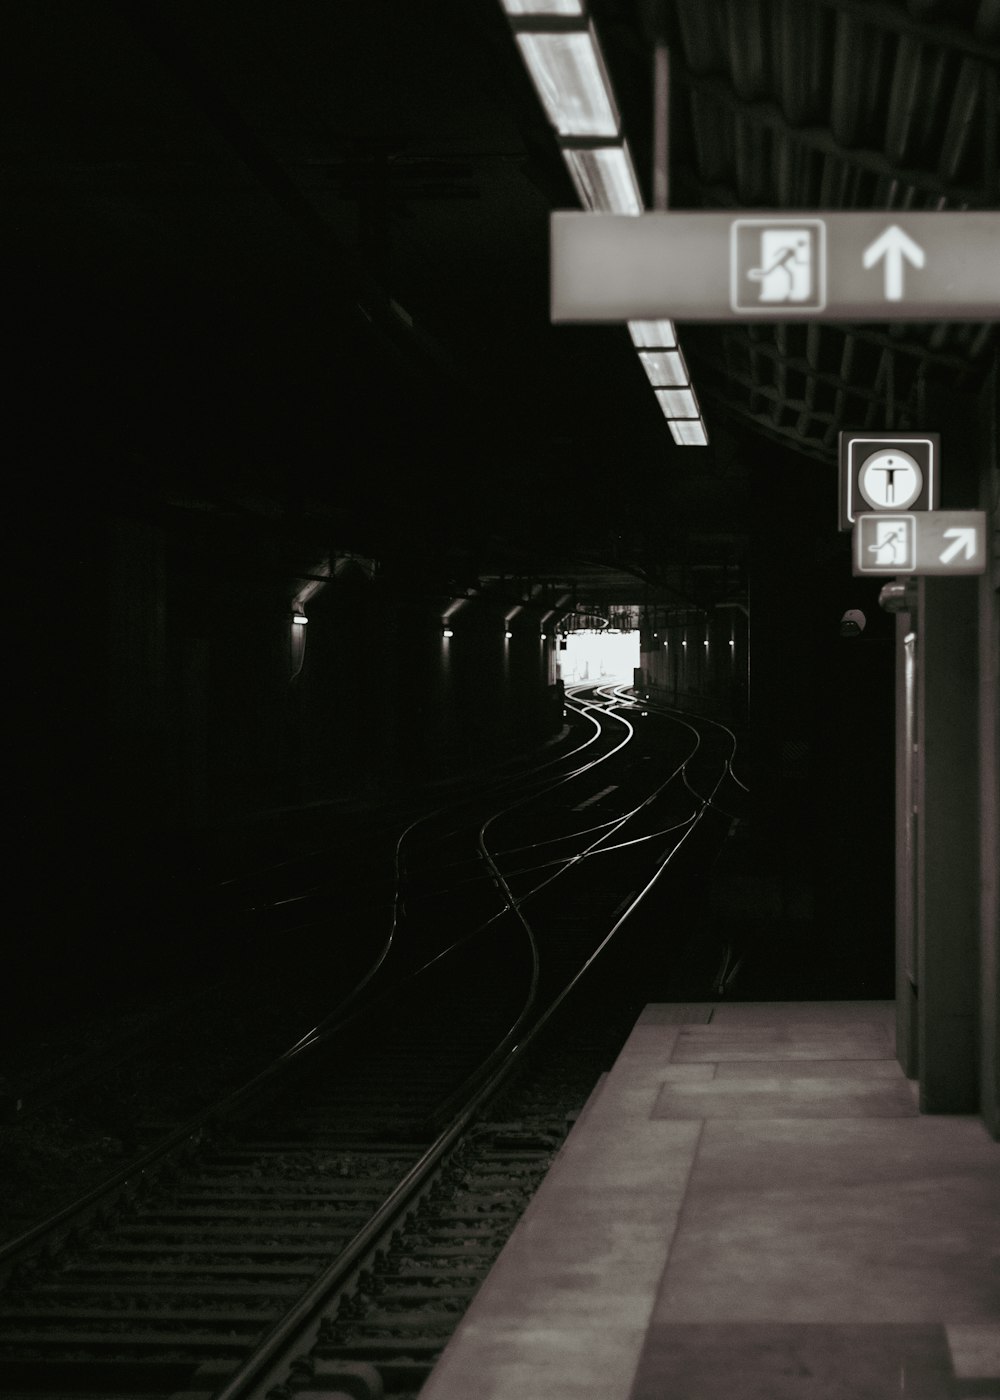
989,841
906,941
989,761
947,893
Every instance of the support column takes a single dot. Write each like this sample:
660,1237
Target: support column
947,895
989,753
906,944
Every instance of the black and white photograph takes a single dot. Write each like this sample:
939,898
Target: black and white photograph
504,700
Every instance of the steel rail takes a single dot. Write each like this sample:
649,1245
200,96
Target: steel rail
135,1171
499,1063
515,903
193,1128
267,1364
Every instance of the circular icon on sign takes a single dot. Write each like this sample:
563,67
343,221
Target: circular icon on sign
890,479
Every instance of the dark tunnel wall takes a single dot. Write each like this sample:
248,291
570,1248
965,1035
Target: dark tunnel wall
820,731
178,455
678,668
168,703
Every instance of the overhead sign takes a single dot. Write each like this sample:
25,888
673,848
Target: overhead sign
888,471
720,266
928,542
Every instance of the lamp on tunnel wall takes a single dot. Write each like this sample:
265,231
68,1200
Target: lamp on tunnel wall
559,46
297,642
853,622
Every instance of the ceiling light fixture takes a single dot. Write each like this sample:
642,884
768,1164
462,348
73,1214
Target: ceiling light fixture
677,403
664,367
569,75
605,179
688,432
559,46
543,7
651,335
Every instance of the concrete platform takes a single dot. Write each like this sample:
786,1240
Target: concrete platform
749,1208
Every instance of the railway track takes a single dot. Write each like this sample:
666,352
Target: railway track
357,1199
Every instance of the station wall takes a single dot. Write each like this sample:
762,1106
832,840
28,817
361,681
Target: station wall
178,695
948,792
697,660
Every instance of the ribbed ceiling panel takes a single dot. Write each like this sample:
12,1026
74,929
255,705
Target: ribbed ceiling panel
836,104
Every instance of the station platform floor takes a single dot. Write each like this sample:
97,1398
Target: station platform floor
750,1207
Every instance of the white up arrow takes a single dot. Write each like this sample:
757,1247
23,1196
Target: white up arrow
963,538
894,245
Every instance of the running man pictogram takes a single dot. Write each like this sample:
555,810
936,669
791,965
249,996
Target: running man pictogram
785,273
890,536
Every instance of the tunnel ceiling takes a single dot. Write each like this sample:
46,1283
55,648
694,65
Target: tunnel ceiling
286,266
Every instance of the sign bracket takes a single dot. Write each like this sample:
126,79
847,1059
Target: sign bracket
661,122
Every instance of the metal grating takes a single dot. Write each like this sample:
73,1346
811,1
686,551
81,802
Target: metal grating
836,104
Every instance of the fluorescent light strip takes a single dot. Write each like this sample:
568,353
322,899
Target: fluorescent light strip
665,368
653,335
677,403
543,7
605,179
688,432
571,80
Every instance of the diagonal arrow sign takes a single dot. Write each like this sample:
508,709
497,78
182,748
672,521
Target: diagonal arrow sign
942,542
894,245
963,539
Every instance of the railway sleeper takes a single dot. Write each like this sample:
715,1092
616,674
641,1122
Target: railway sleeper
493,1217
323,1186
319,1377
445,1252
50,1377
295,1154
141,1269
340,1380
186,1341
293,1193
343,1212
387,1274
420,1238
195,1256
381,1349
128,1312
376,1325
421,1314
506,1181
242,1225
362,1099
410,1297
137,1287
